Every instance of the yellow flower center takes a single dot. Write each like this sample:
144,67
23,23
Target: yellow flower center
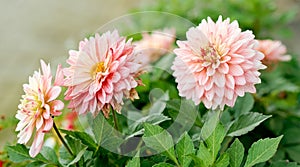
99,67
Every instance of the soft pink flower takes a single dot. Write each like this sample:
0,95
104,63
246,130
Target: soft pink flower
217,63
153,46
69,122
101,73
37,107
274,51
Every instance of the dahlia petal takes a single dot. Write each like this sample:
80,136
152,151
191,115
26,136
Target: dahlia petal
219,79
229,93
230,82
37,144
203,78
240,80
210,71
45,68
53,93
223,68
196,39
48,125
236,70
209,84
239,90
59,76
39,122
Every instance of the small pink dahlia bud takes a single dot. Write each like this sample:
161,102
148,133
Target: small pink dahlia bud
102,72
153,46
37,107
217,63
274,51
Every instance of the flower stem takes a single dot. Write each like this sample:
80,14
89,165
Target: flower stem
115,120
62,139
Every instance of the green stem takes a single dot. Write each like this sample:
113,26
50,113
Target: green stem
115,120
62,139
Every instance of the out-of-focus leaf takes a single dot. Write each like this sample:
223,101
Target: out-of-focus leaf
284,163
163,164
210,125
294,152
246,123
243,105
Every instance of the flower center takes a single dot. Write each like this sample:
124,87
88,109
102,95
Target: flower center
99,67
210,56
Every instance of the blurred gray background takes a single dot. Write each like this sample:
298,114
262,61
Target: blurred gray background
35,29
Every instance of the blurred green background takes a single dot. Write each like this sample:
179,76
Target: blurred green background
33,29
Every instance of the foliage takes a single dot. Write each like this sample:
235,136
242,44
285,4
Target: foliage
161,129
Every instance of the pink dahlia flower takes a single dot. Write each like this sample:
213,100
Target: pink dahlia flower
153,46
37,107
274,51
101,73
217,63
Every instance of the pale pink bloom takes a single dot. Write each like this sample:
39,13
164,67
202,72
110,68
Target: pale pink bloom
37,108
101,73
217,63
152,46
69,122
274,51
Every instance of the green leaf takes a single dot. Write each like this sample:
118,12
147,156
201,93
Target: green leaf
246,123
36,164
163,164
158,100
284,163
197,160
236,153
210,125
243,105
85,138
64,156
214,141
185,147
78,156
135,161
205,157
294,152
160,140
106,136
20,153
262,150
75,145
100,128
223,161
50,154
154,119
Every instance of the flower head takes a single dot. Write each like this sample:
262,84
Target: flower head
217,63
101,73
274,51
153,46
37,107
